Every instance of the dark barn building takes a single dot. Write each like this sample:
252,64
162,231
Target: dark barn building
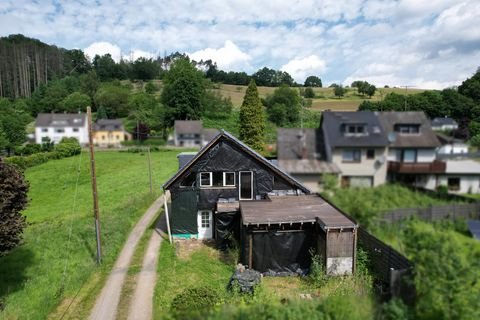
229,191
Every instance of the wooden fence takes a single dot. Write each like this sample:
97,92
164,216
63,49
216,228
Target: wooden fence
391,268
432,213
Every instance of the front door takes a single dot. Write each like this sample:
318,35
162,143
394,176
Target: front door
204,220
245,185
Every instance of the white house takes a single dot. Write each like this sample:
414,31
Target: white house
59,125
460,176
451,145
190,133
444,124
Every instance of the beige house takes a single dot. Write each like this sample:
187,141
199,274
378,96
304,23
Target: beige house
109,133
357,144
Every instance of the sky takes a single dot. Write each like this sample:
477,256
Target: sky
426,44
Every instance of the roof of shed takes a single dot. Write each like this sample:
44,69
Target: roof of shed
426,138
60,120
188,126
225,135
294,209
333,122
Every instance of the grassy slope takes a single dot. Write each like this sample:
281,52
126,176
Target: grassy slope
202,268
32,279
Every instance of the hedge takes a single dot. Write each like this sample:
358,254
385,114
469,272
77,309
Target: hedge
66,148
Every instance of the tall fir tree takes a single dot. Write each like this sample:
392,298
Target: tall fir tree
252,125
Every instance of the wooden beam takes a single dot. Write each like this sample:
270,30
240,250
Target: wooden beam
250,251
354,267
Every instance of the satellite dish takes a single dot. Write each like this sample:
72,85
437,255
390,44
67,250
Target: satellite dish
392,136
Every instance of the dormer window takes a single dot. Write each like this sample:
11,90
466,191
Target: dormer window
355,130
407,128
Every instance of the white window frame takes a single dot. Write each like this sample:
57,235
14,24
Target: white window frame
211,179
240,185
225,179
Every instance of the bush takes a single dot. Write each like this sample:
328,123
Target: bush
317,276
309,93
28,149
194,303
395,309
67,147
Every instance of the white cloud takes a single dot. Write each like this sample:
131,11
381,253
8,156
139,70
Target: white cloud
299,69
229,57
102,48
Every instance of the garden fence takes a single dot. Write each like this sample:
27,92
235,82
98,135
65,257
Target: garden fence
450,211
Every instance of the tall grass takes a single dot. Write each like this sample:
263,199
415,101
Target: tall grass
58,254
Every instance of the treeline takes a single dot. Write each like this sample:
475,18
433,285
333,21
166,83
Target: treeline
462,104
26,64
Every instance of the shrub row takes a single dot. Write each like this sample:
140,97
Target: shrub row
66,148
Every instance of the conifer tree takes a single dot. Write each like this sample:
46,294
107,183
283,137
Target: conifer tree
252,126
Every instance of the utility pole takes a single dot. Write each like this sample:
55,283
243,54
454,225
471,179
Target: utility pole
406,87
94,187
150,170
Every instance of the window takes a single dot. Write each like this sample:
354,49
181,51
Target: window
229,179
351,155
189,180
370,154
453,184
103,137
44,129
205,179
355,129
217,179
409,155
205,219
117,137
407,128
75,129
61,130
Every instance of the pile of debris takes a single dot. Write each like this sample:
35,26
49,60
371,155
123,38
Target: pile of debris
245,279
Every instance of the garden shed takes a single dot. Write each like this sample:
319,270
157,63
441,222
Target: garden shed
279,235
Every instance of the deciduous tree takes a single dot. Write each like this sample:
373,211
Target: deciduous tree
313,81
13,199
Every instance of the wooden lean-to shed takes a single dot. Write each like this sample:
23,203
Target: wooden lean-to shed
281,233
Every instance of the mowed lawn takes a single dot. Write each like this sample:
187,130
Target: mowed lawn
57,258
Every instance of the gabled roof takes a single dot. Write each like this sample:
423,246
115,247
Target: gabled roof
443,121
334,124
108,125
426,138
61,120
297,143
188,126
225,135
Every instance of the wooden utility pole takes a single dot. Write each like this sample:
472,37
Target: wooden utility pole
150,170
94,187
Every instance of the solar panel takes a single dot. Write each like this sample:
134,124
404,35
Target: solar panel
474,227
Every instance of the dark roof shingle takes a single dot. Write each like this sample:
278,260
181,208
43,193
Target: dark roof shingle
188,126
61,120
334,124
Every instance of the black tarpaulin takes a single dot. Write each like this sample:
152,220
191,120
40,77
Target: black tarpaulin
283,251
227,229
183,219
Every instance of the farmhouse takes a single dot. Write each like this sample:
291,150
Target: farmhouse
444,124
56,126
190,133
228,190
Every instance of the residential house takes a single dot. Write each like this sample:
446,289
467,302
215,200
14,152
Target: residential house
451,145
301,153
460,176
56,126
357,144
228,190
444,124
412,146
190,133
109,133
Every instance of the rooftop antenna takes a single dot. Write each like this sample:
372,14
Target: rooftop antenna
406,87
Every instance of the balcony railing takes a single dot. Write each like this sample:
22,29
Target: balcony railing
417,167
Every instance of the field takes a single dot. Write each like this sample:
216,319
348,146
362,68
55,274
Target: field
324,97
57,260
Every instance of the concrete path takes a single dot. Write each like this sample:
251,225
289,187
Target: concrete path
107,302
141,305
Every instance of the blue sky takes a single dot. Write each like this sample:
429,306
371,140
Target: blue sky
428,44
